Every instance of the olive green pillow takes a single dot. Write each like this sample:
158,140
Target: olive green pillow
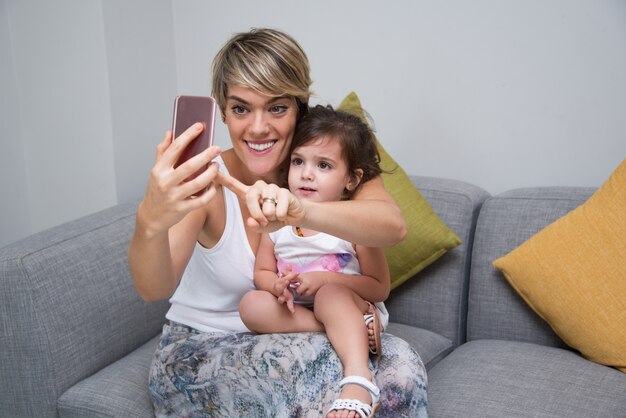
428,238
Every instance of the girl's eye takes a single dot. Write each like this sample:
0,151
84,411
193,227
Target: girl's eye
296,161
324,166
238,110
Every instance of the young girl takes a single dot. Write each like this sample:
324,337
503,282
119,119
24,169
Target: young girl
312,281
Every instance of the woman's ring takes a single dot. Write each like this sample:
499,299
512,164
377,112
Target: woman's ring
271,200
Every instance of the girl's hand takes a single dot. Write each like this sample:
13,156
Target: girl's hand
307,284
283,290
168,197
271,207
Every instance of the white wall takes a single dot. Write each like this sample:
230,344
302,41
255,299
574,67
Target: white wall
87,93
61,114
502,94
14,206
142,83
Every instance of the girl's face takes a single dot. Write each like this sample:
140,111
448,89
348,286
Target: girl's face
261,129
318,172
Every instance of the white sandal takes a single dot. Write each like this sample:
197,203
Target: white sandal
369,318
364,410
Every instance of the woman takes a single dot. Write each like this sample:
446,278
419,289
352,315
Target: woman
199,251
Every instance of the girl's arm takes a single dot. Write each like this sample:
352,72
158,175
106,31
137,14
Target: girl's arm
266,274
265,270
373,284
374,266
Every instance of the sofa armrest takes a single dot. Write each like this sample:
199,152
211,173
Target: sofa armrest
68,308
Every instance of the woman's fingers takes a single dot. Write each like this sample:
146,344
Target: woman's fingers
168,153
173,152
282,207
187,171
167,198
232,184
256,205
269,199
163,145
203,183
270,206
249,194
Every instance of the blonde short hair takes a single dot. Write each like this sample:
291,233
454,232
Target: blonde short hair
266,60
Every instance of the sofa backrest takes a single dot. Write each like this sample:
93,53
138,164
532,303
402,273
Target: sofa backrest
495,310
435,298
68,308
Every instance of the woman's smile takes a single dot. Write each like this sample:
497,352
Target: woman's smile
260,147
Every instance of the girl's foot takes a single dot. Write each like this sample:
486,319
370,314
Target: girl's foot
358,398
374,330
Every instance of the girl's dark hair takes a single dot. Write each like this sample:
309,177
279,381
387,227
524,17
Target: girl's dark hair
358,143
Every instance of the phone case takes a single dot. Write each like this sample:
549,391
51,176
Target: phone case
187,111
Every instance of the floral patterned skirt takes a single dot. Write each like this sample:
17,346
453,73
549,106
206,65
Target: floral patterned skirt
197,374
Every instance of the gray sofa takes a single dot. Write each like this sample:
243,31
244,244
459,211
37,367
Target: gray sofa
77,340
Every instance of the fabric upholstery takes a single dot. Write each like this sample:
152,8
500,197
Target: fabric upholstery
490,378
69,304
495,310
118,390
431,346
573,274
69,312
436,298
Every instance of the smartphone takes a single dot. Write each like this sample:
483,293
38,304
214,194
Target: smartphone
187,111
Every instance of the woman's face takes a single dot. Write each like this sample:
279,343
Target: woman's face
261,128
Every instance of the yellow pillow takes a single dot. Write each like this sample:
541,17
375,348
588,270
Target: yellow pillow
573,274
428,238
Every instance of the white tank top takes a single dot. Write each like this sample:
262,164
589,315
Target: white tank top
216,279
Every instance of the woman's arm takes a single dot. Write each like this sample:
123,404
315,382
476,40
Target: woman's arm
371,219
168,220
155,267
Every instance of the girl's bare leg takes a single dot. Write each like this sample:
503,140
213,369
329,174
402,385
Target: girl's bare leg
341,311
261,312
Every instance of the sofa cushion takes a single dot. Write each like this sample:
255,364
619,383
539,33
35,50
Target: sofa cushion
495,310
490,378
572,273
430,346
428,238
118,390
436,299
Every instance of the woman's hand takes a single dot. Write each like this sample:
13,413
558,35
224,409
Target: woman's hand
169,197
271,207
